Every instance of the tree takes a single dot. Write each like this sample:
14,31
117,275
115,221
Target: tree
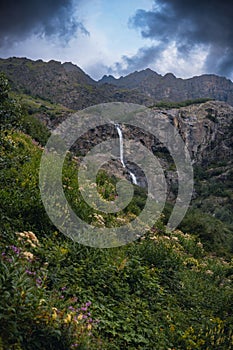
10,109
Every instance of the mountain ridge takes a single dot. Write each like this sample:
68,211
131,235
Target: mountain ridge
68,84
171,88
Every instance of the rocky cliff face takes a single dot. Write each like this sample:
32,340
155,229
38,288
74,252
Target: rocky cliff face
206,129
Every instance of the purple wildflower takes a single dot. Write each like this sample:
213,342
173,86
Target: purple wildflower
15,249
38,282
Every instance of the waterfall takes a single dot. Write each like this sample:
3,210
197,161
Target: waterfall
133,177
121,144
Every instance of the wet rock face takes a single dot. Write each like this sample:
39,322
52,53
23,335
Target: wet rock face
206,129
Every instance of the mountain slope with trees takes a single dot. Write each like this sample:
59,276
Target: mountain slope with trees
163,291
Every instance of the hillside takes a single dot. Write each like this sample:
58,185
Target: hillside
166,290
65,84
170,88
206,128
68,85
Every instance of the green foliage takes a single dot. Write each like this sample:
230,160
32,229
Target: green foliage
32,315
13,115
170,104
211,215
33,127
10,110
19,191
214,233
163,291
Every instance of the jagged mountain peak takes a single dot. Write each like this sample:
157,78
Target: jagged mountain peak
169,76
68,84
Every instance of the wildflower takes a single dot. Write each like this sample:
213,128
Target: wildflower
80,317
63,250
54,316
172,328
73,299
154,238
29,237
166,237
89,326
28,255
38,282
15,249
68,318
175,238
33,237
30,272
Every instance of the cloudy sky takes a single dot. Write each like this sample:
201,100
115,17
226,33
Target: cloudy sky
185,37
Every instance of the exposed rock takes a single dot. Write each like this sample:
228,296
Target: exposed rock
65,84
206,129
170,88
68,85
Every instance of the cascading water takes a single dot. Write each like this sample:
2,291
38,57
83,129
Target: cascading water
121,145
133,177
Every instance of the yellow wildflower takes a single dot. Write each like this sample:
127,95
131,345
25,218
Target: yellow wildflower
68,318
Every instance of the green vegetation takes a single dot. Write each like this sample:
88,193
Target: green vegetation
170,104
163,291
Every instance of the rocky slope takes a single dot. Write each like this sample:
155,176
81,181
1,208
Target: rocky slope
67,84
170,88
206,128
64,83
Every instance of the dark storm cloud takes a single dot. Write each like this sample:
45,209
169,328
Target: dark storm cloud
191,23
139,61
21,18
